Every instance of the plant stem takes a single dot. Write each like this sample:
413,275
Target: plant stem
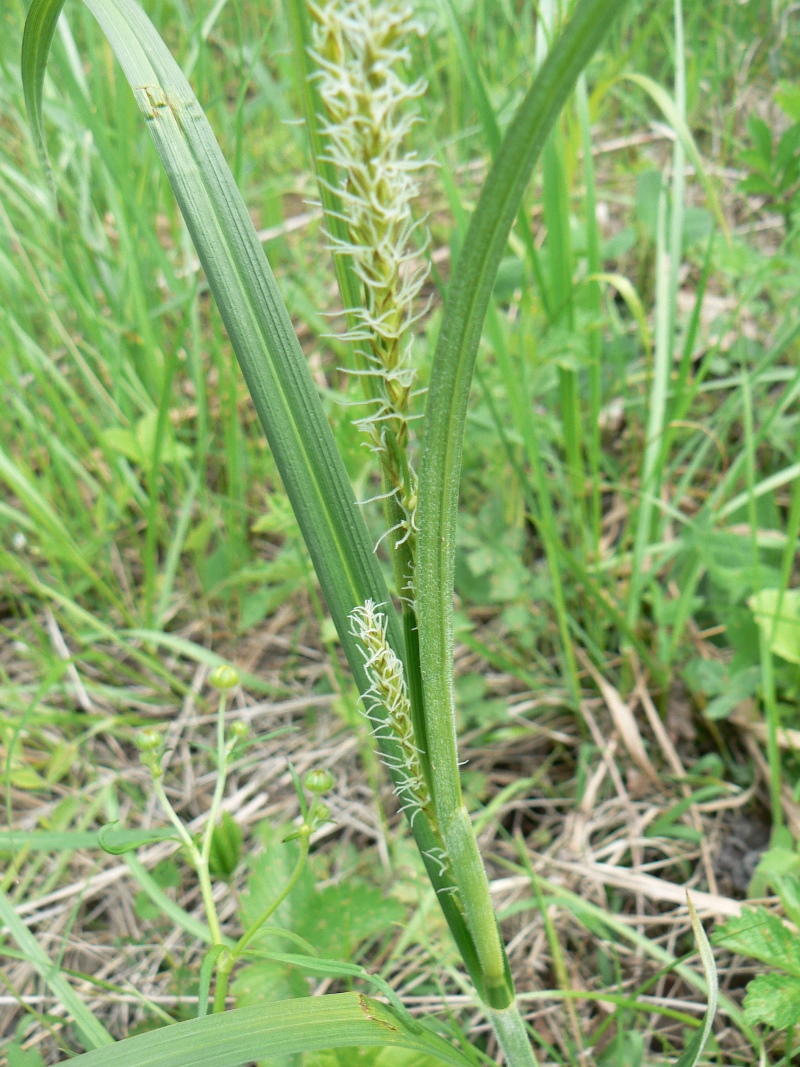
219,790
250,933
228,959
197,861
594,265
512,1037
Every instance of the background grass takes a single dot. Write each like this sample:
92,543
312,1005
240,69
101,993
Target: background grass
629,500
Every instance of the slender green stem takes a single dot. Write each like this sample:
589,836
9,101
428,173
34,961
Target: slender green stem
772,712
223,752
655,421
668,260
228,959
197,861
594,265
250,933
512,1037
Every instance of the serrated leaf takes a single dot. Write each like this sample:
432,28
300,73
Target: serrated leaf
761,935
265,981
778,617
226,847
773,999
339,918
761,137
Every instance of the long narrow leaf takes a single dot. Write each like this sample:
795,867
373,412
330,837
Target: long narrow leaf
445,419
232,1038
92,1032
694,1050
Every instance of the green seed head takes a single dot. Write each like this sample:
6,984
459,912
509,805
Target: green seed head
322,813
239,730
319,781
148,739
224,677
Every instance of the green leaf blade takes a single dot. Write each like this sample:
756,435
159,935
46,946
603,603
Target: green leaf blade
246,293
445,419
310,1024
467,301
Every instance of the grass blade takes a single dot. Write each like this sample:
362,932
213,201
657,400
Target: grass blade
677,121
251,306
468,299
694,1050
308,1024
92,1032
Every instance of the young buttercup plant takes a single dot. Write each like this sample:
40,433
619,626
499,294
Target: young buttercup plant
199,850
216,851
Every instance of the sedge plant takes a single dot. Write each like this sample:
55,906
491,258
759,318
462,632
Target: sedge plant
358,116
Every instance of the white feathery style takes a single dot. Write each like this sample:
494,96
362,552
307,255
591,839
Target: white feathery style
388,691
360,50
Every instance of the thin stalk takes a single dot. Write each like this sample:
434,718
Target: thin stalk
203,876
655,422
223,751
667,270
250,933
228,959
594,265
767,676
509,1028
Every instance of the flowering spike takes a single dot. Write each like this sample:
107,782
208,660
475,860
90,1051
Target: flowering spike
359,50
388,691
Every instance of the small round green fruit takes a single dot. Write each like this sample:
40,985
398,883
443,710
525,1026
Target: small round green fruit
319,781
225,676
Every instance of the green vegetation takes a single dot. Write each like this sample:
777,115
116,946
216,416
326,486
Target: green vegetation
578,396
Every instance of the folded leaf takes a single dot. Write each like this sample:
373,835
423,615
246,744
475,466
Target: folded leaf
233,1038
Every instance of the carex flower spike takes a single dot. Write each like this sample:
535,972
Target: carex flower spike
392,722
360,51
